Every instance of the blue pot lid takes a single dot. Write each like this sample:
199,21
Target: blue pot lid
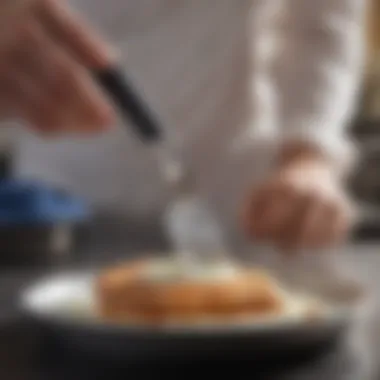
32,202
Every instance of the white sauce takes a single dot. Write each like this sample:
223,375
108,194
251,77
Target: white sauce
174,271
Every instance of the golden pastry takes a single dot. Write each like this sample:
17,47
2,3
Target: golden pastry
157,291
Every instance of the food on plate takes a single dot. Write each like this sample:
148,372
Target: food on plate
156,291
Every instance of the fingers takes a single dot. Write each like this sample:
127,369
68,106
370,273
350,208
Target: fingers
19,94
311,225
293,233
72,32
68,98
13,14
44,71
326,224
293,220
25,100
271,211
35,103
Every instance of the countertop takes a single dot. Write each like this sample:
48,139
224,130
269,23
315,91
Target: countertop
28,353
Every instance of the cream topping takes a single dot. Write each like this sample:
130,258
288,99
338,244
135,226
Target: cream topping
172,270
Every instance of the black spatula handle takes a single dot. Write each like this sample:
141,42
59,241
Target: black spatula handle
130,103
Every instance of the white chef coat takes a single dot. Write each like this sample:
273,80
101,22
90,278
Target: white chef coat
217,72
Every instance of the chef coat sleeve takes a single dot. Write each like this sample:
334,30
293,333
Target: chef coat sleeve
315,70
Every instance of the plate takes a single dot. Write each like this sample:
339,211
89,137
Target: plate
65,304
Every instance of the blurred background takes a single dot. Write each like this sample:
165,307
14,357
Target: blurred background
64,214
365,182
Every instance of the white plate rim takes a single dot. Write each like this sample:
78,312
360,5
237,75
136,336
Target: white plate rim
341,316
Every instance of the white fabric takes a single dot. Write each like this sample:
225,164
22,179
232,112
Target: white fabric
213,70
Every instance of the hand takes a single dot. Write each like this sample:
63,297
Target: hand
46,52
302,205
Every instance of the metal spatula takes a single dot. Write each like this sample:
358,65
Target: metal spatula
192,229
